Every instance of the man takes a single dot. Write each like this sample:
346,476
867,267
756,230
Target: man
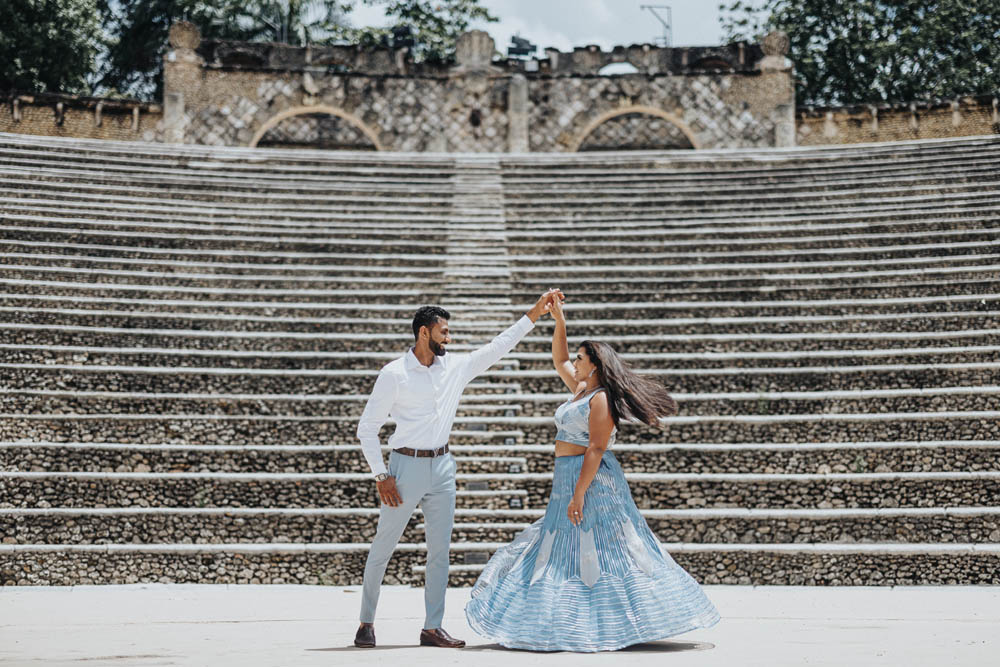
421,391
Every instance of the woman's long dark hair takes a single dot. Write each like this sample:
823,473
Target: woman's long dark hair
630,395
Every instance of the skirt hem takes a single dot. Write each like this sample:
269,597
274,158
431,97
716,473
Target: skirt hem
524,646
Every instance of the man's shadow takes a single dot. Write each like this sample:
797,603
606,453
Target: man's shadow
648,647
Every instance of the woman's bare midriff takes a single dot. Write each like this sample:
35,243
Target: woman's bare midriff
564,448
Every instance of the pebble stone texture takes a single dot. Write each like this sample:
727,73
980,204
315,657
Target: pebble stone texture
189,334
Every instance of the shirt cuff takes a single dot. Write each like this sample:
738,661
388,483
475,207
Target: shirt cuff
525,324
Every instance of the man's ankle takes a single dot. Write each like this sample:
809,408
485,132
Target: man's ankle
363,624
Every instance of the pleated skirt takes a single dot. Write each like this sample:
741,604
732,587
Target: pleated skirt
603,585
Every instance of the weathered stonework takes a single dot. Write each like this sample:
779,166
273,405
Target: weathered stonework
54,115
968,116
224,93
349,97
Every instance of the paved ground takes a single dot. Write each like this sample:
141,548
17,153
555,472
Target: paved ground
313,625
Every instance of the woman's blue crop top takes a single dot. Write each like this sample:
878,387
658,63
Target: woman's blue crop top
573,421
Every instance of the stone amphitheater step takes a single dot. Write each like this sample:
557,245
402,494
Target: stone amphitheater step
725,162
567,170
673,214
162,458
120,395
967,284
792,458
213,526
524,261
757,526
650,490
608,276
341,393
845,334
829,314
195,489
239,429
341,564
972,228
18,269
316,303
726,166
828,564
531,363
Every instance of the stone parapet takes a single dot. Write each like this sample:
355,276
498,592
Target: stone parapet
965,116
58,115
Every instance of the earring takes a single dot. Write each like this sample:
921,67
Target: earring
591,372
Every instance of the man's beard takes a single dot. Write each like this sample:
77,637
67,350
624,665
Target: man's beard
436,348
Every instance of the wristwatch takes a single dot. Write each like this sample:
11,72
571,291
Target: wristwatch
381,477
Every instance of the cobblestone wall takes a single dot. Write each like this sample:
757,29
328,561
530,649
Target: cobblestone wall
249,94
54,115
222,93
970,116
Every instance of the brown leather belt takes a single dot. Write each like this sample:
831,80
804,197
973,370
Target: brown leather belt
422,453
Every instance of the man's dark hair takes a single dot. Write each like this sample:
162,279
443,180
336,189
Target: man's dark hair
427,316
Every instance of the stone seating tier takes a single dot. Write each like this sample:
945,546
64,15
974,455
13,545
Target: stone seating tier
152,428
157,525
650,490
696,338
499,459
880,564
826,318
530,364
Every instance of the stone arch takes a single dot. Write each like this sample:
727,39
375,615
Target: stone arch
634,109
371,134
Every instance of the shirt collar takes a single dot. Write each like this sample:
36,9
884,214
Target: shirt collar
413,362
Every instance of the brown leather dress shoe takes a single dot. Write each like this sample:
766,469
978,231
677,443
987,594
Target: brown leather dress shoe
440,638
366,636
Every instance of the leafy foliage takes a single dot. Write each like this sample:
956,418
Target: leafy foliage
140,27
435,25
876,51
48,45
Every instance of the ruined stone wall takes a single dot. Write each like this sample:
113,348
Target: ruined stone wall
225,93
970,116
53,115
349,97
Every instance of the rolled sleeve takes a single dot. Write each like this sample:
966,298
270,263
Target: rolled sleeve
375,414
492,352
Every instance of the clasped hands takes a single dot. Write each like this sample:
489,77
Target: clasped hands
549,302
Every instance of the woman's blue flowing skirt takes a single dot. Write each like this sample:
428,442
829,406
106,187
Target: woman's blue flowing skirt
602,585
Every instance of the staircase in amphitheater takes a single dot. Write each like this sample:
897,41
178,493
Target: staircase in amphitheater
189,335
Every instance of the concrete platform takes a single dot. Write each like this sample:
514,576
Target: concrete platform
146,625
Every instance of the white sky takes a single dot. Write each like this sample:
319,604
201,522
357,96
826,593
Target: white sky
564,24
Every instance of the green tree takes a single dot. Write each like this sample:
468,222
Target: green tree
48,45
872,51
435,25
139,28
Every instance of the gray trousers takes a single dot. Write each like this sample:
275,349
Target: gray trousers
430,483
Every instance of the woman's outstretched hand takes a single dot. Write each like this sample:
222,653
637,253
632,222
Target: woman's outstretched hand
555,306
544,303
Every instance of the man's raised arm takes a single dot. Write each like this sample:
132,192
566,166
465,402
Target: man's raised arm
504,342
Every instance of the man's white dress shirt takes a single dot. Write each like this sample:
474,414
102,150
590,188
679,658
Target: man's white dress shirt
422,399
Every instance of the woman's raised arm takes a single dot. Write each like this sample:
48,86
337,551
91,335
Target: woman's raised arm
560,348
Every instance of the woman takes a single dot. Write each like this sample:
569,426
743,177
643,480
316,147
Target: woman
589,575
